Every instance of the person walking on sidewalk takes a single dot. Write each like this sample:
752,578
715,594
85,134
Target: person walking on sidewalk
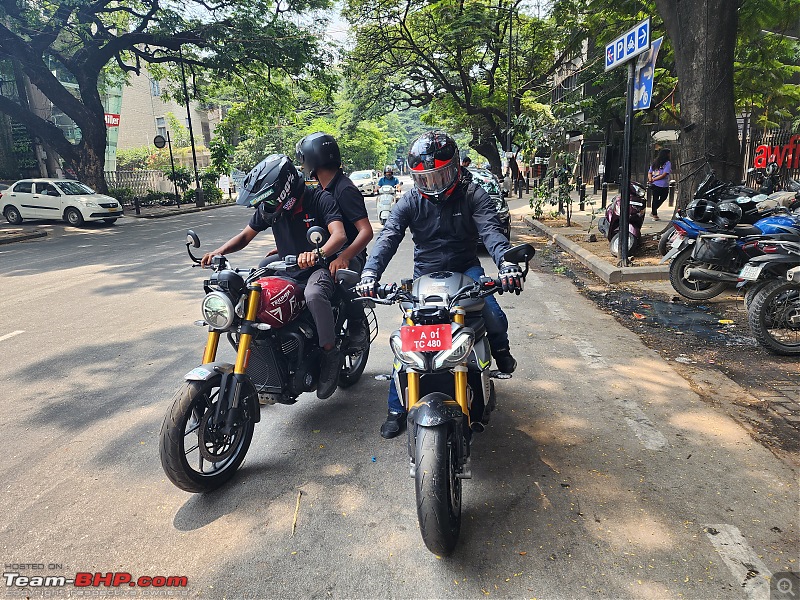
658,178
446,216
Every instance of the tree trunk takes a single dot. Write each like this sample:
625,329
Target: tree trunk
487,147
703,36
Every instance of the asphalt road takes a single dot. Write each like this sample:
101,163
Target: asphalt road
601,475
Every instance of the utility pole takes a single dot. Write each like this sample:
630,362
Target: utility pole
198,189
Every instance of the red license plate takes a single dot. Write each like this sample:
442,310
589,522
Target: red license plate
426,338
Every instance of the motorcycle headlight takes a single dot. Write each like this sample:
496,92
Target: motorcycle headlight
218,310
409,359
462,346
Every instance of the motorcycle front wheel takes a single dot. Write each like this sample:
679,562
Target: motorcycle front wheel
693,289
774,317
195,455
438,489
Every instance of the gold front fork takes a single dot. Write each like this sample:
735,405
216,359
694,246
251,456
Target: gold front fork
210,353
243,353
460,372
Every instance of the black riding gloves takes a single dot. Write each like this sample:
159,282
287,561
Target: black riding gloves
368,286
511,277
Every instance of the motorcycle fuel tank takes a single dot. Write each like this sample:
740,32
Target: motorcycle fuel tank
281,301
439,287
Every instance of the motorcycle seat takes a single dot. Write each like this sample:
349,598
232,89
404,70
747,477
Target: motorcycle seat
745,230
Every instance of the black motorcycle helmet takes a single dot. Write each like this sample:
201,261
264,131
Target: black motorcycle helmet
434,164
729,215
273,183
702,210
318,151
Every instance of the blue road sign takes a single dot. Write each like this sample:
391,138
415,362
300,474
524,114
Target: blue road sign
625,47
643,79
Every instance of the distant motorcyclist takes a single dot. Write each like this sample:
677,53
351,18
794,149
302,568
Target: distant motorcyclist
446,216
389,179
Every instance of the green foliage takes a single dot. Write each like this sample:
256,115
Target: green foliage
221,152
179,135
143,158
563,167
123,194
182,177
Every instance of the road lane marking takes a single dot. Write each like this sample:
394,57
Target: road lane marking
593,358
10,335
749,570
642,427
559,313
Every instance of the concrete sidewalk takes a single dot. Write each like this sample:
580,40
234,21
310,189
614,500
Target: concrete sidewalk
580,219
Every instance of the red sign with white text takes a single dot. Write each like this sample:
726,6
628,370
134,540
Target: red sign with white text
112,120
426,338
787,155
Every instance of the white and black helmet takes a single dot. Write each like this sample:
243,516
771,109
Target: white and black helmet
274,182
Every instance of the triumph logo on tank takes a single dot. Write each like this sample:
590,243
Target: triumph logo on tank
281,296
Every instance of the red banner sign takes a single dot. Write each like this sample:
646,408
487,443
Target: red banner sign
787,155
112,120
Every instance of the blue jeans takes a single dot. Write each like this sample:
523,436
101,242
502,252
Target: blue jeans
496,333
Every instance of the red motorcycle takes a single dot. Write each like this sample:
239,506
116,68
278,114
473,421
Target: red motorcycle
610,223
208,428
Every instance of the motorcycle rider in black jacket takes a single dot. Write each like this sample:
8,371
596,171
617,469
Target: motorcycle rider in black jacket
446,216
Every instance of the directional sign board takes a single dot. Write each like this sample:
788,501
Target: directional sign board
643,78
630,44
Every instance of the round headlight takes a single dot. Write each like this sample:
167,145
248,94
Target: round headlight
218,310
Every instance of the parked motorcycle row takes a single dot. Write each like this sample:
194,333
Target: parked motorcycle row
441,347
731,234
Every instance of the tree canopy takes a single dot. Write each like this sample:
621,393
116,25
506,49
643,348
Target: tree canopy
257,43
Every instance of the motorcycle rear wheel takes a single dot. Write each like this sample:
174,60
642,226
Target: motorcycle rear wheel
353,367
438,490
186,426
690,288
774,317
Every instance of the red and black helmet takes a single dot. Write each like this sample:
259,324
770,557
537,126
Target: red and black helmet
434,164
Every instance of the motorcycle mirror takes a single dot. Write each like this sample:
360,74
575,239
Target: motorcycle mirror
192,239
521,253
316,235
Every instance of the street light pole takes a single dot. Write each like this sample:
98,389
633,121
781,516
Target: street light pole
198,188
508,115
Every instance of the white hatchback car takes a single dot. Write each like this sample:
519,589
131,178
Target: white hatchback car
65,199
365,181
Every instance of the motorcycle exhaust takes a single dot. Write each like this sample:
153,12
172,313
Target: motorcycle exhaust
710,275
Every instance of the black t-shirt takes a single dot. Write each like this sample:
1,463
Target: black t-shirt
350,201
318,208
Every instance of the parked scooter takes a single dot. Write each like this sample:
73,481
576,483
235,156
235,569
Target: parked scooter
387,196
705,264
773,296
610,223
